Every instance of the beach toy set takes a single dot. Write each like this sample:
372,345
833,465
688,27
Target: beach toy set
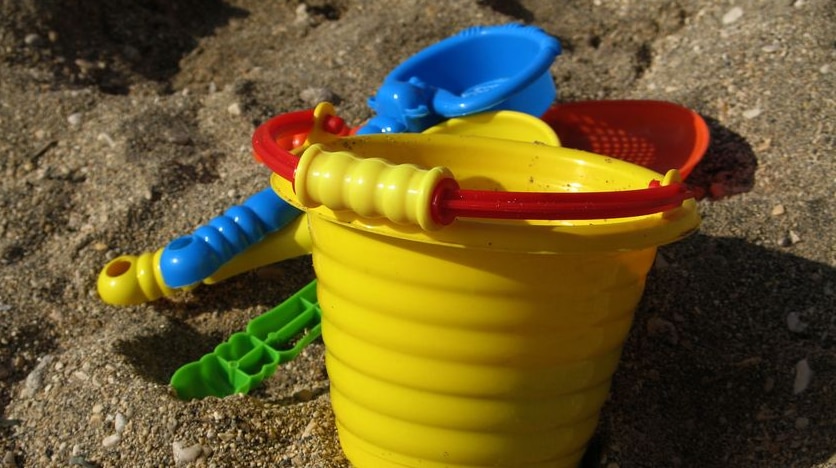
479,253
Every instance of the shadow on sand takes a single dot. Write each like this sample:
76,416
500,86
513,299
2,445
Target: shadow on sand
708,372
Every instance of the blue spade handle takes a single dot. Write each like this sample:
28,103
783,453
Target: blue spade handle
192,258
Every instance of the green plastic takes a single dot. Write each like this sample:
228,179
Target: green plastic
243,361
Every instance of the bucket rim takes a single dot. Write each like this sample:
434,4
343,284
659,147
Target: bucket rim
444,199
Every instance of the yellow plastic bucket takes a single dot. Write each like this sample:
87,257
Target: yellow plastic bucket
485,342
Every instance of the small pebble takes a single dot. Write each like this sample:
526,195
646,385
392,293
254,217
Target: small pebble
106,138
178,137
313,96
74,119
35,378
234,109
802,423
84,65
302,15
111,440
794,323
791,238
304,395
80,460
778,210
119,422
9,459
172,424
752,113
803,376
664,329
186,454
733,15
33,40
309,429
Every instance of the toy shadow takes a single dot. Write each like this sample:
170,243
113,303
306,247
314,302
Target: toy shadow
728,166
707,375
181,343
37,341
155,357
148,38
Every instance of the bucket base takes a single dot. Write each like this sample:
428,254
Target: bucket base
362,455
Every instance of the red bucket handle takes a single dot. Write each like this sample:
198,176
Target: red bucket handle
449,201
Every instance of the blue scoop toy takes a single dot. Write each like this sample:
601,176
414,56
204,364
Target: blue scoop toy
484,68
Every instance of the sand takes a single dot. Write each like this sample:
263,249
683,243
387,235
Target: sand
125,124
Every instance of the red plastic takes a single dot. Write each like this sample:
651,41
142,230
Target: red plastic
655,134
556,205
273,140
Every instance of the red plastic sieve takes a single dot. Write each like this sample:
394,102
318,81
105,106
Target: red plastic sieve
272,143
658,135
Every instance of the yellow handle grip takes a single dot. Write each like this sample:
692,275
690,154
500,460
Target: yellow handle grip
370,187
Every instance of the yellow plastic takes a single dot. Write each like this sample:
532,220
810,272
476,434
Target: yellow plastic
484,343
293,240
369,187
132,280
374,187
506,125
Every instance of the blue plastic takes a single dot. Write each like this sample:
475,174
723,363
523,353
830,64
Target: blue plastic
190,259
480,69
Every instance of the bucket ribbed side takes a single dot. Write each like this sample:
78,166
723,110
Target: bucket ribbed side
448,356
